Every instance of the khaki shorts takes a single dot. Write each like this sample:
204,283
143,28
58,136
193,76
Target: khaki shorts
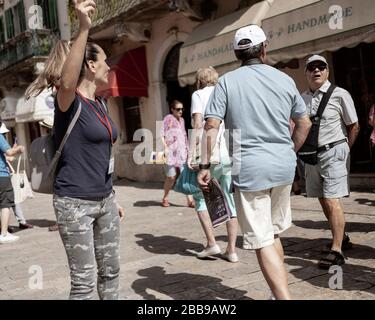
263,214
329,177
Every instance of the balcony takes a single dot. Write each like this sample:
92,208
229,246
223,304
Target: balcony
29,44
109,11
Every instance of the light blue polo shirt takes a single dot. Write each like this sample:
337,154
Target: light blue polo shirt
4,147
258,101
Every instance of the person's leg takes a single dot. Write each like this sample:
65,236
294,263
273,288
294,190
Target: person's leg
5,215
279,247
225,180
336,219
107,242
168,184
274,271
190,201
19,214
258,222
324,208
204,219
74,218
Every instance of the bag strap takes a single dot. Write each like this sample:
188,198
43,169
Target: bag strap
324,101
19,164
70,128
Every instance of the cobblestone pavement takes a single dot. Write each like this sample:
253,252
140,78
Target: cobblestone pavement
158,248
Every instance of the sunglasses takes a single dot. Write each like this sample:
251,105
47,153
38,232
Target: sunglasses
179,109
312,67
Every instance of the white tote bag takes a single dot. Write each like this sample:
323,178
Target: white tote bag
21,185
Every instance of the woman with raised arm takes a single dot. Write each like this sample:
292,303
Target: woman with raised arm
84,200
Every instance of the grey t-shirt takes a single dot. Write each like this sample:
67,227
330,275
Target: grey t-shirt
339,112
259,101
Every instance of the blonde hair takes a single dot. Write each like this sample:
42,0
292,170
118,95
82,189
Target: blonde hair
206,77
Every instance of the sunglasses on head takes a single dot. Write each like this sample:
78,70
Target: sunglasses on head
312,67
179,109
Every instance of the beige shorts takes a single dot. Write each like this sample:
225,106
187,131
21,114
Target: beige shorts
263,214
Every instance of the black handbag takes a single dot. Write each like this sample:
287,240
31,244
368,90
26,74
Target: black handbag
309,151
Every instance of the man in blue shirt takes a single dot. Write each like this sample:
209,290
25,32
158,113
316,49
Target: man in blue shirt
6,189
257,101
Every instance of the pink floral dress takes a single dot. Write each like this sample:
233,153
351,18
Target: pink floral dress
175,137
371,117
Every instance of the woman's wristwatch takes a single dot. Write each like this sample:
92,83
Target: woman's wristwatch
204,166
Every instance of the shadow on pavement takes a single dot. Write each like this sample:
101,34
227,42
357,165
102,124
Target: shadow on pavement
144,204
156,284
349,226
41,223
366,202
354,277
167,244
311,248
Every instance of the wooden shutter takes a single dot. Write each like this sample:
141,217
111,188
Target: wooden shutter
2,34
9,23
21,16
53,19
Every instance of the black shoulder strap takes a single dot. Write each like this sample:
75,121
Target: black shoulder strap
324,101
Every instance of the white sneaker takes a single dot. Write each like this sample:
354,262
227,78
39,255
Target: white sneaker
8,238
231,257
209,251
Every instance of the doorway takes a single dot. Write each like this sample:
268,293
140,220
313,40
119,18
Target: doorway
354,70
174,90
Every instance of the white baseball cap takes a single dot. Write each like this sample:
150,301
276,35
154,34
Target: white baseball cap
253,33
316,57
3,128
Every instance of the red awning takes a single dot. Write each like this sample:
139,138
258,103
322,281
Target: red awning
128,75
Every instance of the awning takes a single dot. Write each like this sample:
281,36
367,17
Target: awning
296,29
211,44
36,108
128,75
8,104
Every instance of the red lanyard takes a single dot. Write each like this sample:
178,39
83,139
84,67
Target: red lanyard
104,120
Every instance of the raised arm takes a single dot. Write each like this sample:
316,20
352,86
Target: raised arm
73,64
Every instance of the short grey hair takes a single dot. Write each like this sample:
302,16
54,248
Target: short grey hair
250,53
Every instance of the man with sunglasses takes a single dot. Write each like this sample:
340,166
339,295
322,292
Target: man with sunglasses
328,180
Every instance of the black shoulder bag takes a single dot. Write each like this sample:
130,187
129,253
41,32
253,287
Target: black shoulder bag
309,151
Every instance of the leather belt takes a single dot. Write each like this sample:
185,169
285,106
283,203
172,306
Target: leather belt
328,146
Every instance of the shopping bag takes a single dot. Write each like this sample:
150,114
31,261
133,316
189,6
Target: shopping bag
20,182
186,182
217,205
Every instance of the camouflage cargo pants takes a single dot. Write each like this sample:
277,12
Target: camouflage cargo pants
90,230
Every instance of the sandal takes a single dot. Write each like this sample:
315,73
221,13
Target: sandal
165,203
334,258
346,245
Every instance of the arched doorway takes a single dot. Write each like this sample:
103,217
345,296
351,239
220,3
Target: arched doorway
174,90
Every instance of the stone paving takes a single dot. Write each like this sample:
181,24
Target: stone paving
158,248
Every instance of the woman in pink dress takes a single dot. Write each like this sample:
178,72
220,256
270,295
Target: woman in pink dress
371,122
173,135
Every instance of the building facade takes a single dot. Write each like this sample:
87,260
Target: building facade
28,31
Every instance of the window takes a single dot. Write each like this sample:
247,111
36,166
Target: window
2,33
50,20
9,23
20,14
132,117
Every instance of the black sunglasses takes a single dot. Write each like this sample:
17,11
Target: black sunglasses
312,67
179,109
